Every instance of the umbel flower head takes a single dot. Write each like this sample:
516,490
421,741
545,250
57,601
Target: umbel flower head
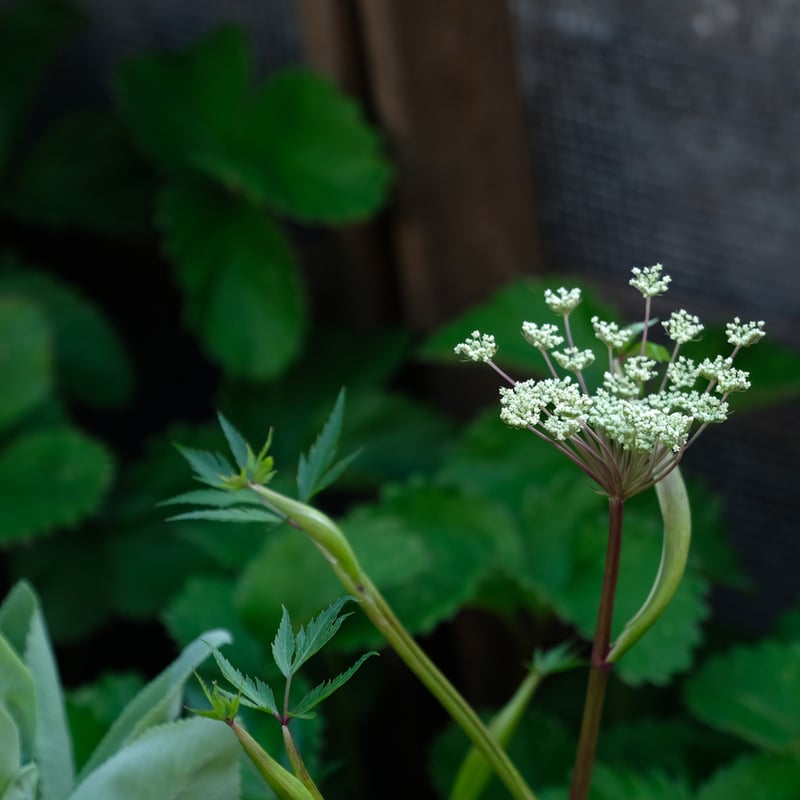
634,428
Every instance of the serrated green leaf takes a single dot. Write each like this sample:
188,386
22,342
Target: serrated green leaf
759,777
181,106
305,150
324,690
83,174
90,360
215,498
247,515
318,632
312,468
242,289
30,36
74,469
207,467
254,691
237,443
283,645
25,358
752,692
193,759
156,703
615,784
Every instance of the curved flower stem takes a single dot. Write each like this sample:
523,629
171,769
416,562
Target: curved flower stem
600,667
332,542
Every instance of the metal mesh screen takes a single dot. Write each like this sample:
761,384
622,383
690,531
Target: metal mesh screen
668,133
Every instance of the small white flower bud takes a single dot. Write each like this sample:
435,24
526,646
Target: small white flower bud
610,334
478,347
562,302
649,281
573,359
744,334
542,337
682,326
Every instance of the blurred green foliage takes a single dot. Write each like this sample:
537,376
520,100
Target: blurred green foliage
209,163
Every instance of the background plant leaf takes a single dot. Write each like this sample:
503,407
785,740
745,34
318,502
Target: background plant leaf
180,106
25,358
752,692
243,295
760,776
91,363
75,469
193,759
83,174
30,36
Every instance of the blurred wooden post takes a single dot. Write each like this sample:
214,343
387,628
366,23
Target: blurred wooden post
440,79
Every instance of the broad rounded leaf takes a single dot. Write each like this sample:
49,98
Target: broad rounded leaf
25,357
91,364
49,479
180,106
243,294
306,151
194,759
762,777
752,692
83,173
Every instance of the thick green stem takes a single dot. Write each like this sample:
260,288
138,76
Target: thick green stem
298,765
600,667
333,544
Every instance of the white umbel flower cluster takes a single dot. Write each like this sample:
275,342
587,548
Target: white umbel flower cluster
634,428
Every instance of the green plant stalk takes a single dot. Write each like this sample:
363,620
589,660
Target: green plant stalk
474,773
600,667
285,785
298,765
677,516
334,546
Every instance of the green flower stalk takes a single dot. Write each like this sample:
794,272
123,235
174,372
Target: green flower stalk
628,435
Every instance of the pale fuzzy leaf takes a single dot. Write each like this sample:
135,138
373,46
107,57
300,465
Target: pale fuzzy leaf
326,689
283,645
18,695
53,742
193,759
236,442
157,702
10,753
23,784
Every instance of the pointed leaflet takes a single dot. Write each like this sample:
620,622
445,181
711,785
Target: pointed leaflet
326,689
244,515
283,645
208,467
215,498
239,448
258,693
319,632
314,471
